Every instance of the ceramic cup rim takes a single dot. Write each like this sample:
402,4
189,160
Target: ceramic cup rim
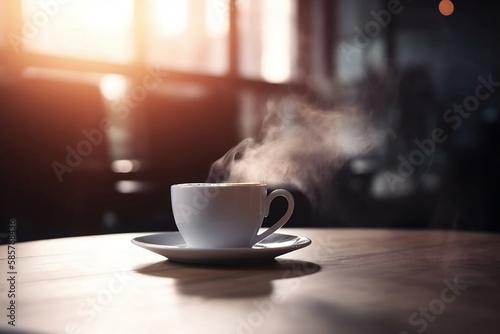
219,185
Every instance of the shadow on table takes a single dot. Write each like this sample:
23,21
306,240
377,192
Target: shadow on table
229,281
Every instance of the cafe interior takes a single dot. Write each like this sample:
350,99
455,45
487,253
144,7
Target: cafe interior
105,104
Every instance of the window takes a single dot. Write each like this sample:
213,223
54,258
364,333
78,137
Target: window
3,39
187,35
3,10
267,51
252,45
90,29
191,36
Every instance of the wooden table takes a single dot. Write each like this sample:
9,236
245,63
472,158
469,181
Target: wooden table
347,281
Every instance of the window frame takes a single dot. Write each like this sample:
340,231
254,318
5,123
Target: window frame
16,62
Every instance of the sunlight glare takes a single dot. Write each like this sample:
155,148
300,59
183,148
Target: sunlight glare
276,40
82,29
107,15
170,16
3,20
217,17
113,86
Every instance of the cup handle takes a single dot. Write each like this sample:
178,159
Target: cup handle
283,220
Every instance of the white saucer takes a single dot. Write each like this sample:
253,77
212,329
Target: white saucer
172,246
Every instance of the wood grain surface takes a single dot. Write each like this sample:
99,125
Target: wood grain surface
347,281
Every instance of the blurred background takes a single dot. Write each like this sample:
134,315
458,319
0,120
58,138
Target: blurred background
106,103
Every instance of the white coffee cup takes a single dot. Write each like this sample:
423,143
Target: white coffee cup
222,215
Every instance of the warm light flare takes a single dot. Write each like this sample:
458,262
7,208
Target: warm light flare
113,86
170,16
216,17
106,15
276,40
3,19
83,29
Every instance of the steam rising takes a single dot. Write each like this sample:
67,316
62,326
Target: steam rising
299,147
